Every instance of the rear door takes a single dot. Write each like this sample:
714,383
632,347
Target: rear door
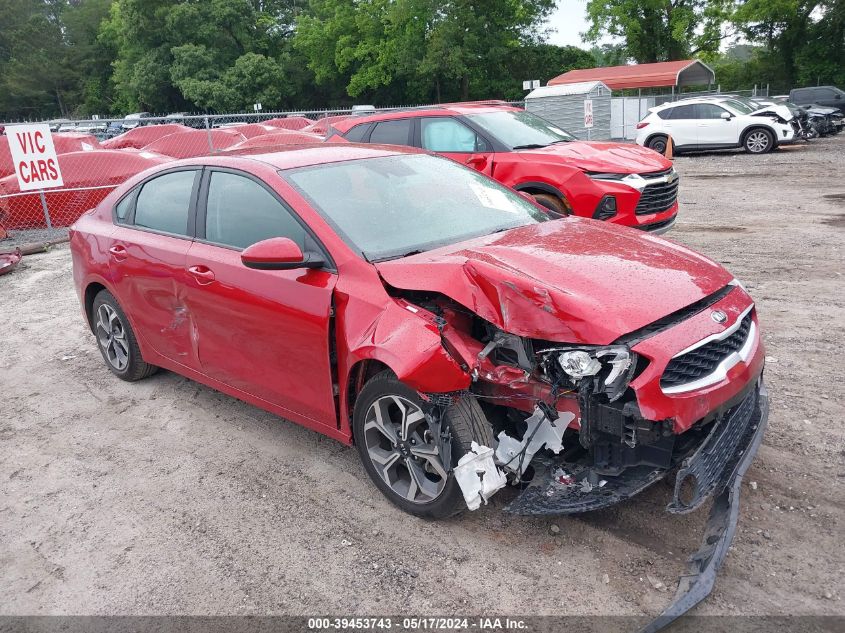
263,332
451,138
683,125
147,259
713,129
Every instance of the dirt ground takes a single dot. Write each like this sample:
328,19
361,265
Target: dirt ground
165,497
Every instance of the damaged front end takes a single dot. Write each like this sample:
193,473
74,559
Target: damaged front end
571,433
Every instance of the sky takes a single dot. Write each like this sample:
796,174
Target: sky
569,20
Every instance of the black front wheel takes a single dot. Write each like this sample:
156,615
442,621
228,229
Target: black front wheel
398,439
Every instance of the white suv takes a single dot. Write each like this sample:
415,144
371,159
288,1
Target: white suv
714,123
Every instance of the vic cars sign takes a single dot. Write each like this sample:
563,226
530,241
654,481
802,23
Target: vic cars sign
36,165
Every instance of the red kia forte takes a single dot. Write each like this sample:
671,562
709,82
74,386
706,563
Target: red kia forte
621,183
461,339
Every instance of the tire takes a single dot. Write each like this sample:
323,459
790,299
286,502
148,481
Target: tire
758,141
658,143
387,452
552,203
116,339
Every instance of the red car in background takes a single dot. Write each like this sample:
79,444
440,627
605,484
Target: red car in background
621,183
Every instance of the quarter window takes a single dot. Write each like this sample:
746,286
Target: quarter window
164,203
241,212
444,134
392,132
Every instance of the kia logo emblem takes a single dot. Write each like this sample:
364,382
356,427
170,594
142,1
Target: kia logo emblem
718,316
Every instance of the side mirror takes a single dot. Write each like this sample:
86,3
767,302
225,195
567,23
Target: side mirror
278,253
476,161
726,116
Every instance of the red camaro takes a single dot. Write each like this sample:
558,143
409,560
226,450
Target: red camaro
445,325
621,183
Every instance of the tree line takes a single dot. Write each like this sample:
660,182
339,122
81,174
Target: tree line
83,57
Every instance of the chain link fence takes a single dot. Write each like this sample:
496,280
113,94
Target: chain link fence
97,155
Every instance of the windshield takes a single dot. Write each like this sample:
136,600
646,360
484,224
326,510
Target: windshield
519,129
738,106
389,207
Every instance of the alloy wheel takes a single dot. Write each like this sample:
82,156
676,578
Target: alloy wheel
404,449
757,142
111,335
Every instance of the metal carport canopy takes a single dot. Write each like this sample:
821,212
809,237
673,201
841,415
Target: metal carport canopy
688,72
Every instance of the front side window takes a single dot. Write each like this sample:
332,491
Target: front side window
241,212
738,106
163,203
393,206
520,129
445,134
825,93
392,132
710,111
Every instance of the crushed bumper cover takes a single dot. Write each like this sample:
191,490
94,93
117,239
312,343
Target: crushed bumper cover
716,468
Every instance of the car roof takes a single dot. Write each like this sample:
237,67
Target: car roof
302,155
443,109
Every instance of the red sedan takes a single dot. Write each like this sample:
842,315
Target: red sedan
621,183
446,326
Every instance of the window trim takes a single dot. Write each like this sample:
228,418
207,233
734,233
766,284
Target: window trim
129,220
202,213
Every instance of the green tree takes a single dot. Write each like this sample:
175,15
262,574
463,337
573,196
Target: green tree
660,30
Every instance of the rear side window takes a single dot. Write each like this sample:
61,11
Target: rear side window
392,132
801,96
684,112
445,134
164,203
241,212
357,133
666,114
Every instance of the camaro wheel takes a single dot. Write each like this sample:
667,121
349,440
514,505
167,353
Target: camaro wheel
759,141
399,440
116,340
658,144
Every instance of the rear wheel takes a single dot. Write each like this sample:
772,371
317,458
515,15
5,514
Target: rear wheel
658,143
552,203
759,141
398,439
116,340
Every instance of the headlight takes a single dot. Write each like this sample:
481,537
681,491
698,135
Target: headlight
595,175
611,367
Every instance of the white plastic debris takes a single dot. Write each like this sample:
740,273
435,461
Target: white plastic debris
478,476
541,431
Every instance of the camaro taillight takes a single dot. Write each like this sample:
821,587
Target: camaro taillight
641,124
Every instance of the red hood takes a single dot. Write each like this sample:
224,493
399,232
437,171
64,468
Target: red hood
618,158
570,280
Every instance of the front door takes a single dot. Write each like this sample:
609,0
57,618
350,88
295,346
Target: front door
713,129
263,332
451,138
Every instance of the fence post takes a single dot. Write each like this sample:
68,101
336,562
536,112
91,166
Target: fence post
208,136
45,209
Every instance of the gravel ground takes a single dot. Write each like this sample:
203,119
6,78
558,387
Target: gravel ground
165,497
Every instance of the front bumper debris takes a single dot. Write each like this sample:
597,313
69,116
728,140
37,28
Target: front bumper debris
715,468
719,531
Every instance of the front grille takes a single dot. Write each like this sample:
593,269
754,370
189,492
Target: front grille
702,361
657,174
657,197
